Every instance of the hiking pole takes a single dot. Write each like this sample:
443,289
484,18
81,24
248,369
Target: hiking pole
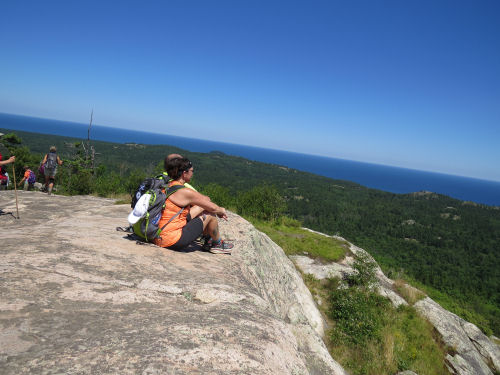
15,188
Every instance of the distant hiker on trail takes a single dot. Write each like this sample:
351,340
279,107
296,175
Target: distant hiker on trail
166,163
50,163
186,210
29,178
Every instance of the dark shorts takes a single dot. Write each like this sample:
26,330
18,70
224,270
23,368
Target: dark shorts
190,232
50,172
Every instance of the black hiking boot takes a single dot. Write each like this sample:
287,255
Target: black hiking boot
207,243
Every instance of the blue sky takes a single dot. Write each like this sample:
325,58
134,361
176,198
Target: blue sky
414,84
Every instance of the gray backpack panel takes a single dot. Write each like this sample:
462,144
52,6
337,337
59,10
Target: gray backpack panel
51,162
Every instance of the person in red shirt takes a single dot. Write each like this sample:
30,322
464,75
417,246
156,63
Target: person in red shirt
4,176
9,160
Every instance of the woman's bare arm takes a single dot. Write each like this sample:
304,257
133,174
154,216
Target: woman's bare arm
186,197
9,160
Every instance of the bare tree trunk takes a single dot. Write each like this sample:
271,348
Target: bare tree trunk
88,148
90,125
15,188
93,159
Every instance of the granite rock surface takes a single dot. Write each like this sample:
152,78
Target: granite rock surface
80,297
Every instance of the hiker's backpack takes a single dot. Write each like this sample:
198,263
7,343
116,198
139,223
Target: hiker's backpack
51,162
41,168
147,227
31,178
150,183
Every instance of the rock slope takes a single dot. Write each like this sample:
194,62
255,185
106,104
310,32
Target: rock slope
79,297
472,352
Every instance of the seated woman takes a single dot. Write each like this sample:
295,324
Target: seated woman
193,221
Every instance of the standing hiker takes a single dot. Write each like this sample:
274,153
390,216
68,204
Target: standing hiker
50,163
4,176
29,178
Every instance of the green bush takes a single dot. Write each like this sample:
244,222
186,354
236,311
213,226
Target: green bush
218,194
289,222
263,202
365,271
356,314
108,183
369,336
12,143
76,181
132,181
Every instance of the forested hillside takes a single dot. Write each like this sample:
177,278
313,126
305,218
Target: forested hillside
449,246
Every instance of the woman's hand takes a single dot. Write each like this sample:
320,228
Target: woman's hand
221,213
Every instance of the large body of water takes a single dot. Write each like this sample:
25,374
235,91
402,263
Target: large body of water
393,179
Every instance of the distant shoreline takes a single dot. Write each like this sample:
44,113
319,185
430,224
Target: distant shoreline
392,179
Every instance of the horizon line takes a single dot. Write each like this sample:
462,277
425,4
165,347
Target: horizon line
257,147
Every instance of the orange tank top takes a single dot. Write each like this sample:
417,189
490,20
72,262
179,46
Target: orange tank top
173,231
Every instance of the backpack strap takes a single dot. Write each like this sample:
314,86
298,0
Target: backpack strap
171,190
172,218
125,229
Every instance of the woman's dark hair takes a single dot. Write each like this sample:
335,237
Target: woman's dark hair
176,166
168,158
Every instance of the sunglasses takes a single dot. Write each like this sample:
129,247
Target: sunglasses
188,167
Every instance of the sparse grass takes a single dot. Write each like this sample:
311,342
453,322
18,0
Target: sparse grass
374,338
121,198
312,283
367,335
410,294
319,289
296,241
466,310
415,344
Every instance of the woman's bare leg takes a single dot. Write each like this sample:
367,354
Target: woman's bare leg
211,227
51,185
195,211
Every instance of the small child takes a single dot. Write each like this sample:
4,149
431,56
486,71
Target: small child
29,178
